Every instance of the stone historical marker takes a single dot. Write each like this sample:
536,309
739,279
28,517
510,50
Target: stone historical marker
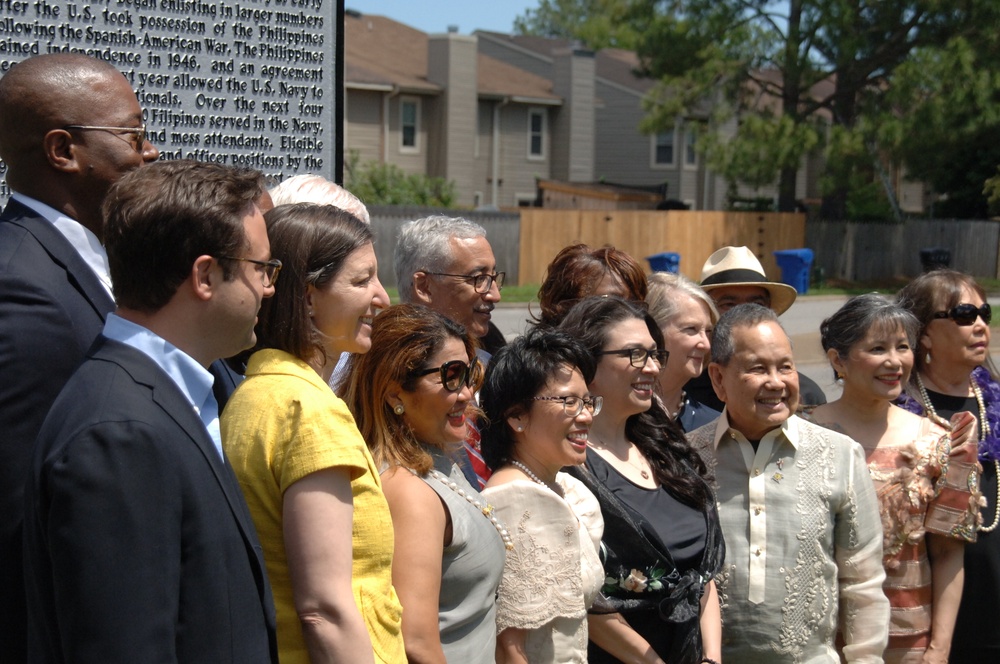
254,83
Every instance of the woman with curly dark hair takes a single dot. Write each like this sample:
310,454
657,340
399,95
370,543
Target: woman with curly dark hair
662,540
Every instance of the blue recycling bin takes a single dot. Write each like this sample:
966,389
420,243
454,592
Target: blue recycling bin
796,266
667,261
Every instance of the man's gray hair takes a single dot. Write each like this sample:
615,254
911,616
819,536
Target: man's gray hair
423,246
743,315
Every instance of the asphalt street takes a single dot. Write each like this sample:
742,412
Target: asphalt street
801,322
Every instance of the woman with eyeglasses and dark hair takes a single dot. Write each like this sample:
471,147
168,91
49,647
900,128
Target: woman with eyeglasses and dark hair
412,397
662,541
311,485
924,476
954,373
538,415
580,271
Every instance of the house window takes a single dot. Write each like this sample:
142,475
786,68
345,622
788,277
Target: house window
690,155
536,133
409,121
663,148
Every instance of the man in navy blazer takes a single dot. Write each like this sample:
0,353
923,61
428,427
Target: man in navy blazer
138,545
54,284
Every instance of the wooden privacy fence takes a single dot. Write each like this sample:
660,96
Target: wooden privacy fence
641,233
859,251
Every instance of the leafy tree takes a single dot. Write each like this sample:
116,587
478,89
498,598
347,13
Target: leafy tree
780,78
791,61
949,135
596,23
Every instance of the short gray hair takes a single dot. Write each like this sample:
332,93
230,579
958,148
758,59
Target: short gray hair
423,246
661,296
852,322
743,315
317,189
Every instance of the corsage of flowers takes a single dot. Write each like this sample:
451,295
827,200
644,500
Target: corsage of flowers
635,581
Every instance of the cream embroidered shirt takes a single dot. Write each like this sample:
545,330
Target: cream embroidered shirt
803,545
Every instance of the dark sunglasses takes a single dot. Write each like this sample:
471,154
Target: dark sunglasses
966,314
455,374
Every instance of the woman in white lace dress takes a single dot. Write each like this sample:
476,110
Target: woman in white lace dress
540,411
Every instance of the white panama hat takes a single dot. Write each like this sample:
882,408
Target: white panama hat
737,266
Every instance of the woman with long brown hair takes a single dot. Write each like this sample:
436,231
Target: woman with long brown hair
309,480
412,396
662,538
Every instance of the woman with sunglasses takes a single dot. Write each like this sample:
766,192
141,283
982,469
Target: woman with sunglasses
412,396
927,497
311,485
954,373
538,412
662,540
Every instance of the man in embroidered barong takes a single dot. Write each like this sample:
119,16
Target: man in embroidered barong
798,511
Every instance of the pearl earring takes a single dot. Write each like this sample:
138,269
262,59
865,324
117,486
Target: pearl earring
520,428
398,409
928,359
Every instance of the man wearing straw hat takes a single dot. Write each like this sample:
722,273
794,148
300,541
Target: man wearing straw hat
732,276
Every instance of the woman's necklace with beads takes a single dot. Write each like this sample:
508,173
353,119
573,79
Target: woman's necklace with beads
527,471
983,433
483,506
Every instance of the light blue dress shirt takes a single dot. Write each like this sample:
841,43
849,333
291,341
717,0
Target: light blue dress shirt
194,380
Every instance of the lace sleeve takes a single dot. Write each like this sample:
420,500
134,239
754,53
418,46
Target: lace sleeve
954,511
542,575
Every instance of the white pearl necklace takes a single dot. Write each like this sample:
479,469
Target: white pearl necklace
527,471
984,431
483,507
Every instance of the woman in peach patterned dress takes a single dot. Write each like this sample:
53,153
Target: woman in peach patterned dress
926,478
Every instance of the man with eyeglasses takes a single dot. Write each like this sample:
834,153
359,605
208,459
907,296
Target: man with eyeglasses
798,510
138,542
70,126
447,264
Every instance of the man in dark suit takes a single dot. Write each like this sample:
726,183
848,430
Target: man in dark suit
54,284
138,545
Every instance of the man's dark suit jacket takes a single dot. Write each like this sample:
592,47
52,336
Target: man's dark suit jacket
52,307
139,546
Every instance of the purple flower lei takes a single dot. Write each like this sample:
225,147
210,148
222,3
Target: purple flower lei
989,447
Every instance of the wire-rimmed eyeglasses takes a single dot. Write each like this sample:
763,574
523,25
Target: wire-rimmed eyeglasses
639,356
139,132
573,405
482,283
268,269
